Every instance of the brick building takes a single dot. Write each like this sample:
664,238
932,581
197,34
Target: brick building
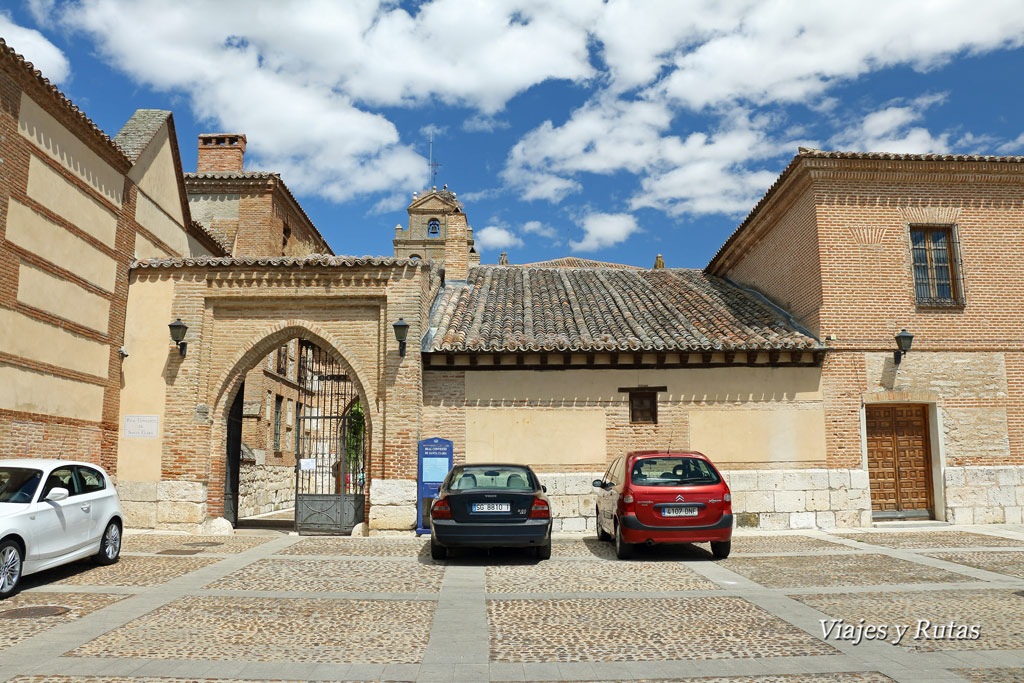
776,359
77,207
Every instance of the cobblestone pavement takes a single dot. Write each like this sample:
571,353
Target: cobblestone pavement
784,608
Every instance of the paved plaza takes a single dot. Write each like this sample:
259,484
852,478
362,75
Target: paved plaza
930,604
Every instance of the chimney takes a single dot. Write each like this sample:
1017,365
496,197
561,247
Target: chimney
456,247
221,152
659,262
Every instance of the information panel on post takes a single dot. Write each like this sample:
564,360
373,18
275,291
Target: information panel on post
435,461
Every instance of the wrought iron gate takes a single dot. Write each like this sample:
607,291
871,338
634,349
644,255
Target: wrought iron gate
330,458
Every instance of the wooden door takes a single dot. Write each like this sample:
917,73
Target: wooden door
899,460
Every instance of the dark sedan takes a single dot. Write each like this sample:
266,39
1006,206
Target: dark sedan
487,506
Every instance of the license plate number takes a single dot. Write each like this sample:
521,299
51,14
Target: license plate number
679,512
492,507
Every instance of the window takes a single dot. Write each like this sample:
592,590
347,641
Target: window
282,360
91,480
433,227
63,477
298,428
673,471
935,275
278,402
643,407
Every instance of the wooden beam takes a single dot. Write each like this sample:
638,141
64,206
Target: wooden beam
566,359
496,359
520,359
730,356
706,357
638,358
659,360
590,359
615,358
773,356
472,358
543,359
449,359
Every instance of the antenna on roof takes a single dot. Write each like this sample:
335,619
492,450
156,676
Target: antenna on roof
431,164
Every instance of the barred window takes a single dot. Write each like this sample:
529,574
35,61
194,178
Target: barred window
643,407
282,360
936,280
278,404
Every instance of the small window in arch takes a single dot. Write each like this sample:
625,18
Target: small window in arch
415,257
434,227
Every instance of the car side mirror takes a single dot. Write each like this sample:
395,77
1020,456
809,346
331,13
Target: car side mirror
544,489
598,483
57,493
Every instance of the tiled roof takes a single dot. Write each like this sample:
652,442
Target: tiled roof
276,261
21,63
573,262
811,153
138,131
557,309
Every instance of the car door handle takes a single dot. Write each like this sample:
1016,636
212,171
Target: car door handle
86,508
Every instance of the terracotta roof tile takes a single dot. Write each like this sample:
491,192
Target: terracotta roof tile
558,309
276,261
574,262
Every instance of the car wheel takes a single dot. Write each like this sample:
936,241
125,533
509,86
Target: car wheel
110,545
623,550
720,549
602,535
437,551
10,567
544,551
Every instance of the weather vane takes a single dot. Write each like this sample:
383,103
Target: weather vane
431,164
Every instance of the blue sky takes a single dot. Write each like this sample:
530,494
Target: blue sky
608,130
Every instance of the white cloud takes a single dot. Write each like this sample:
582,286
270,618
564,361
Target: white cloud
538,228
602,230
33,46
483,124
496,237
1013,146
890,130
433,129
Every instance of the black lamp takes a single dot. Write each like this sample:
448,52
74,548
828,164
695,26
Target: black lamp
401,334
178,330
903,341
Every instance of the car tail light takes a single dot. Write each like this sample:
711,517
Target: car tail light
540,509
441,510
727,498
626,504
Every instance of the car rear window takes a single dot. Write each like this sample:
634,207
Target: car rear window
673,471
502,477
18,484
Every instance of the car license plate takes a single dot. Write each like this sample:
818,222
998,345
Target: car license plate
492,507
679,512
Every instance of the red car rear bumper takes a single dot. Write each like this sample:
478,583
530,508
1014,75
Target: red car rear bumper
635,531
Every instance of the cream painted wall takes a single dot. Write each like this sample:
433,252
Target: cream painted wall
62,298
145,248
149,216
37,392
205,208
197,249
29,230
155,174
535,437
711,385
36,340
759,436
59,195
144,386
60,144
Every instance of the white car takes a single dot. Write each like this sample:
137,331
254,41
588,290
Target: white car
53,512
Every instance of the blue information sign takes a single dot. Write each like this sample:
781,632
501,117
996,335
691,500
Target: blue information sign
435,461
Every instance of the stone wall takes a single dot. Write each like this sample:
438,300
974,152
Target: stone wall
264,488
984,495
165,505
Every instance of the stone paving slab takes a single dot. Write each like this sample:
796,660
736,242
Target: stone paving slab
624,630
273,630
15,630
997,614
1010,563
201,545
912,540
381,547
130,570
577,577
368,575
995,675
785,543
589,548
836,570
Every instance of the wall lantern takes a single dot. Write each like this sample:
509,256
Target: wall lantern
401,334
178,330
903,341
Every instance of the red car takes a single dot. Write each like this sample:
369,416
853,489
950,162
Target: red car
662,497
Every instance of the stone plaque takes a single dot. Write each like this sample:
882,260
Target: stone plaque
141,426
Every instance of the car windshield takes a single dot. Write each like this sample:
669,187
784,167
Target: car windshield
673,471
18,484
492,477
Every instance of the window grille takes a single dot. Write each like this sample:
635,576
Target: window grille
935,255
